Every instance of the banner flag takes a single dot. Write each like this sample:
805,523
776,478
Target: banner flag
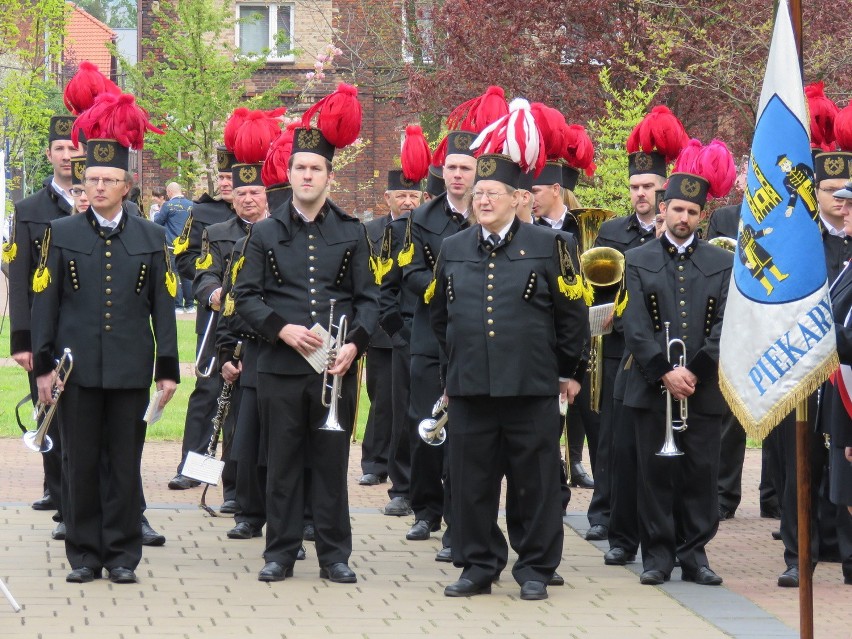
778,342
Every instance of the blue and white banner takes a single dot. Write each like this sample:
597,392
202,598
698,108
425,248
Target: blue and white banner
778,341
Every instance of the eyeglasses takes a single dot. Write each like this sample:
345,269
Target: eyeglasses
76,191
107,182
492,196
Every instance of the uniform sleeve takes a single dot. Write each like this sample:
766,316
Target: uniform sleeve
571,318
163,320
390,317
418,274
365,297
438,316
186,261
639,330
704,363
19,288
208,278
248,292
46,313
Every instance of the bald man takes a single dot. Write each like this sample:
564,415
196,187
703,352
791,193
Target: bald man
172,215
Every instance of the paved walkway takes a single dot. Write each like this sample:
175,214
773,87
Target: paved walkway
202,584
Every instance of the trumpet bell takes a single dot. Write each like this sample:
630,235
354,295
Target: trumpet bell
30,441
670,449
432,432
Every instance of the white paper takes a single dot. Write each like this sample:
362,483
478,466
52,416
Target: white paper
154,412
319,358
203,468
598,316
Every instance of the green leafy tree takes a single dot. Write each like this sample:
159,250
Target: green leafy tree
114,13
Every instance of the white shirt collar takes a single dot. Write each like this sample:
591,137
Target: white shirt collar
681,248
464,213
60,191
502,233
830,228
109,224
557,224
647,227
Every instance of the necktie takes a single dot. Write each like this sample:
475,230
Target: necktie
493,240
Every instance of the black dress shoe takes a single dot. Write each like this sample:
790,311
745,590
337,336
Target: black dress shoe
618,557
704,576
339,573
372,479
445,555
45,503
243,530
598,532
300,556
579,477
273,571
180,482
122,575
653,578
59,532
725,513
770,512
398,507
789,578
83,575
309,533
776,535
151,537
229,507
556,580
466,588
421,529
533,590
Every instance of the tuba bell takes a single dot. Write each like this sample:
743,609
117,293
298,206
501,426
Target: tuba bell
727,243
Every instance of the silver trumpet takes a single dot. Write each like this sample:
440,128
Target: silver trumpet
38,440
331,392
670,448
205,372
433,430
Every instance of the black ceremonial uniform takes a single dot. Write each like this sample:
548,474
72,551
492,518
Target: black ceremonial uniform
292,269
201,406
678,500
396,310
108,301
430,224
32,216
489,305
615,468
375,449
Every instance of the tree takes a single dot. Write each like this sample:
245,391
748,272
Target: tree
190,80
114,13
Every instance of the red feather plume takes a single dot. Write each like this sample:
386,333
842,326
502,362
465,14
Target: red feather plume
553,129
579,152
660,131
843,128
415,155
87,84
114,117
338,116
476,114
439,155
823,112
274,169
255,136
233,125
713,162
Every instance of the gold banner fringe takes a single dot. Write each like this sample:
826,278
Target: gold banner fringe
760,429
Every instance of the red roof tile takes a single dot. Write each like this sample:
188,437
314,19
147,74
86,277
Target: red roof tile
86,38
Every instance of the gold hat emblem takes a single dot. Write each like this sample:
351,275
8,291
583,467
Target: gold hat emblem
222,160
486,167
404,181
690,188
79,169
103,153
643,161
834,166
308,139
63,126
248,174
462,141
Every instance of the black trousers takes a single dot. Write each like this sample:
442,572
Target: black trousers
583,424
600,505
624,515
428,468
678,498
292,413
103,436
399,457
250,477
731,459
521,436
375,449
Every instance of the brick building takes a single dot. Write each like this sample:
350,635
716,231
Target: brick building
310,25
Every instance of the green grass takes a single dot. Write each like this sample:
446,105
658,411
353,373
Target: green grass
14,386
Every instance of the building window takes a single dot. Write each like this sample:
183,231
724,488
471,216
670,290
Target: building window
417,41
265,29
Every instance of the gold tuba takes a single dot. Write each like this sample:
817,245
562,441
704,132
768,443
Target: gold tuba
602,267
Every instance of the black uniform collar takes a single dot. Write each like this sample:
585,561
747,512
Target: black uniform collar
432,215
671,249
635,225
510,234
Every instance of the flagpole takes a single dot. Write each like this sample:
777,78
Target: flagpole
803,442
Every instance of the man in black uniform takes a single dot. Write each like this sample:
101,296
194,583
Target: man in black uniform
682,282
612,511
187,248
516,273
293,267
102,283
32,216
380,448
427,228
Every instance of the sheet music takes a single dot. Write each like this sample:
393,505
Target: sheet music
597,316
319,358
203,468
154,412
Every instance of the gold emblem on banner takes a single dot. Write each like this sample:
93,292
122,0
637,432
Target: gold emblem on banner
103,153
486,167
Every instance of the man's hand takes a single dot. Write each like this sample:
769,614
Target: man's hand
568,390
680,382
344,360
44,383
24,359
216,299
230,372
168,387
300,338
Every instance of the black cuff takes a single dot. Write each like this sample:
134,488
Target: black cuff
657,367
580,374
392,323
360,338
205,293
271,326
21,342
43,363
703,366
167,368
442,376
225,354
568,368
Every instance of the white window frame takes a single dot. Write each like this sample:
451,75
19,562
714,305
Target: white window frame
424,26
273,28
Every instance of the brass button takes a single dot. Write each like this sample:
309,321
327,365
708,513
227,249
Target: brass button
108,242
489,309
494,255
683,314
680,267
108,291
490,286
491,276
491,265
682,290
311,269
108,254
313,313
490,298
680,278
311,247
313,291
310,237
490,333
682,303
313,302
107,327
311,280
107,315
684,325
109,303
108,278
312,257
490,321
109,267
641,240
